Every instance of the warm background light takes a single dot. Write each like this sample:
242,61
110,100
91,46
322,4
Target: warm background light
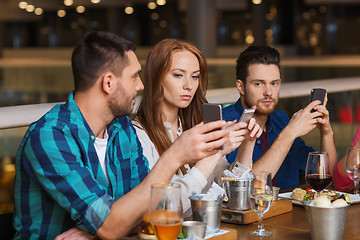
23,5
161,2
68,2
61,13
38,11
151,5
129,10
30,8
80,9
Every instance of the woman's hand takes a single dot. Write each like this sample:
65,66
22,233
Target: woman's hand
238,132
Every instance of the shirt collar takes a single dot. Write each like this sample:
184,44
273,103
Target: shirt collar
168,127
77,116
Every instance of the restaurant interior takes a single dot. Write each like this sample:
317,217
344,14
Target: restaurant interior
319,42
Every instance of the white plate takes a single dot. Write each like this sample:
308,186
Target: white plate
353,198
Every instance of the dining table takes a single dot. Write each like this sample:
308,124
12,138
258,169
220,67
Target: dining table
292,225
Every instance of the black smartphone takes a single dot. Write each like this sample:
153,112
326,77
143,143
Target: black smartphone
212,112
246,115
317,94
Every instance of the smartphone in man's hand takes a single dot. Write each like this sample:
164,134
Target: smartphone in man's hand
317,94
246,115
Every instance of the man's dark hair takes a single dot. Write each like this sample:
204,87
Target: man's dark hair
255,55
96,53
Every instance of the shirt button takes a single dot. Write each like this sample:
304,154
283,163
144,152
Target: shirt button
92,137
258,142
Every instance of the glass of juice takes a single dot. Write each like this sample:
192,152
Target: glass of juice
166,213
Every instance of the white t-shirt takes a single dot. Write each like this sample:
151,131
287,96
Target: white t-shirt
100,147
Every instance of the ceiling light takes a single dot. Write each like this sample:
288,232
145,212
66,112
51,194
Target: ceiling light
61,13
256,2
68,2
151,5
23,5
129,10
95,1
80,9
161,2
38,11
30,8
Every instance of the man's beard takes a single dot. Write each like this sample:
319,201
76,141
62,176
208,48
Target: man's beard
120,109
260,108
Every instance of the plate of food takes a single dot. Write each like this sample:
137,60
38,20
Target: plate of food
299,196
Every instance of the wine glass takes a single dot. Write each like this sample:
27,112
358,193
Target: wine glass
260,199
317,173
166,213
353,166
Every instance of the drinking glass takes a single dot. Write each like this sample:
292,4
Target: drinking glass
166,213
260,199
317,173
353,166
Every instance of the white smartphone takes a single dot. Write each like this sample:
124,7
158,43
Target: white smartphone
246,115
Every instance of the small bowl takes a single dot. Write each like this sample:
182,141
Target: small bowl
194,230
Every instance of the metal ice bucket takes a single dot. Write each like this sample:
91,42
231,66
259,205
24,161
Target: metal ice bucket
326,223
207,211
238,194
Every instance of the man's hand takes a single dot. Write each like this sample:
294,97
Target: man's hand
303,121
255,130
74,233
200,142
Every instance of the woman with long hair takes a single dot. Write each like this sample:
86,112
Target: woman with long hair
174,91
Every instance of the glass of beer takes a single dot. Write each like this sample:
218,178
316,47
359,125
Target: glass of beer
166,213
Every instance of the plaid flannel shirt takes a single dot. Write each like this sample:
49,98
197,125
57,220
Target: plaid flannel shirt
59,181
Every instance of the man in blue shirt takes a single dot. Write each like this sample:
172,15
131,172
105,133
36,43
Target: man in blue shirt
81,166
280,149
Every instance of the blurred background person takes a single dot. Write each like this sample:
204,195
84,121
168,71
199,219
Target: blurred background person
341,178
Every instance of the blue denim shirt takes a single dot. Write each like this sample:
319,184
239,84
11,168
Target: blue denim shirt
288,174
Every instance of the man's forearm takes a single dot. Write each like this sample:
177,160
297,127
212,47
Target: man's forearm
127,211
275,155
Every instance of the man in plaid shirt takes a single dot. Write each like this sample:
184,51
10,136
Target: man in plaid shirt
80,170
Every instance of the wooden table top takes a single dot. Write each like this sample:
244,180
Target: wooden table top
294,225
